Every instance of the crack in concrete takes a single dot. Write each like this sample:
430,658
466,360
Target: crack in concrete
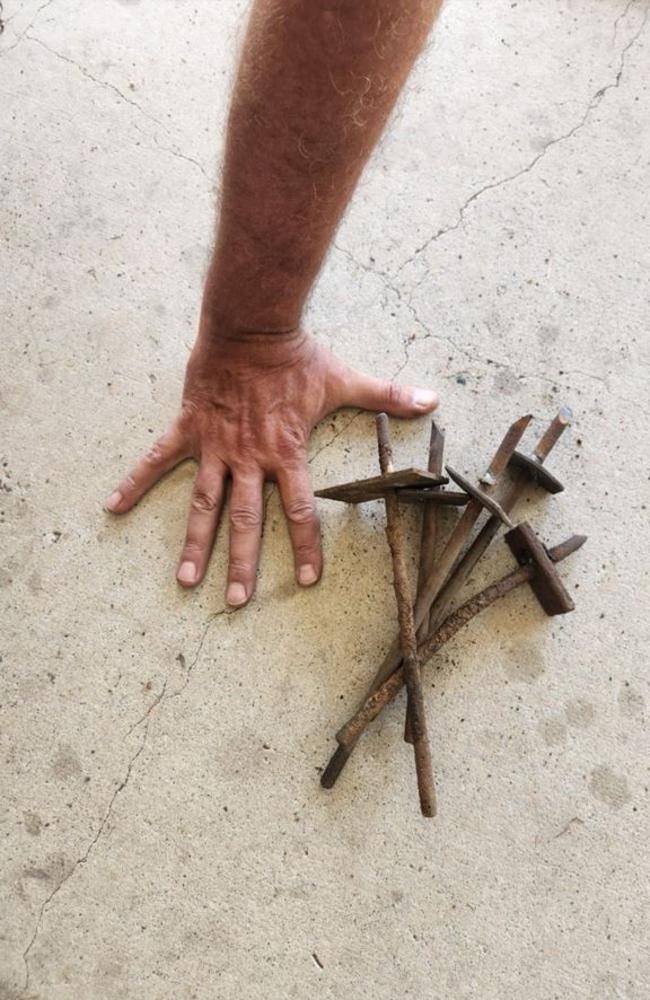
388,286
382,275
621,17
145,722
584,374
159,697
509,367
494,185
555,383
102,826
461,349
190,667
105,84
406,340
23,34
116,90
172,151
182,156
364,267
429,334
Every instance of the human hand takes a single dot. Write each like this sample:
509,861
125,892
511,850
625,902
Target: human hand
249,405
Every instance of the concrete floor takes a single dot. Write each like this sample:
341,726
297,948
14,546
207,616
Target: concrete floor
164,834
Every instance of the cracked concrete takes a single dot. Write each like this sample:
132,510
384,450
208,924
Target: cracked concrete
142,723
494,185
89,76
164,832
84,857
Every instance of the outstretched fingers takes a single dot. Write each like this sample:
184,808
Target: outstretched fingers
202,522
159,459
245,534
299,505
381,395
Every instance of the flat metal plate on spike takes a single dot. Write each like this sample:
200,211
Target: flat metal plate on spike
477,494
445,498
545,581
377,486
535,471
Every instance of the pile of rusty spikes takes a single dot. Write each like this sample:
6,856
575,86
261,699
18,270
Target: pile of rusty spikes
430,621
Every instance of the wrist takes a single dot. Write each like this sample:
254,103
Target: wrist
239,304
220,342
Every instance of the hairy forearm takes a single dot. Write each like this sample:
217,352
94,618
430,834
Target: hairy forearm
317,81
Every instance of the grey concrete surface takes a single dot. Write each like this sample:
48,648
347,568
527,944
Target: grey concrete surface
164,834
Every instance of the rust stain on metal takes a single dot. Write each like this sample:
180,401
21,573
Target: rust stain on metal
349,734
408,640
380,486
434,620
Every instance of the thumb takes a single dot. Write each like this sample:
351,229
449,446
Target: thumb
380,395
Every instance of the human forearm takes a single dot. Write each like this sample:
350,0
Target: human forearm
317,81
316,84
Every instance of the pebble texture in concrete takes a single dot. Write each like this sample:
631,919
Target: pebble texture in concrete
164,834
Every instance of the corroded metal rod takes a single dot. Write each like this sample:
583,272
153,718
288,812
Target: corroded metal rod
428,540
514,491
350,733
460,572
411,664
455,544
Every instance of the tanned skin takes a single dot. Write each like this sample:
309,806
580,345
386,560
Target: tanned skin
316,83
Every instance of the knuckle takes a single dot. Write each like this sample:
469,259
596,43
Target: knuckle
247,438
245,518
187,414
308,549
240,569
204,502
393,394
155,454
302,510
192,548
290,443
129,482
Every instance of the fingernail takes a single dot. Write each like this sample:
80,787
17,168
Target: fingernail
236,594
114,501
186,573
424,398
307,575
